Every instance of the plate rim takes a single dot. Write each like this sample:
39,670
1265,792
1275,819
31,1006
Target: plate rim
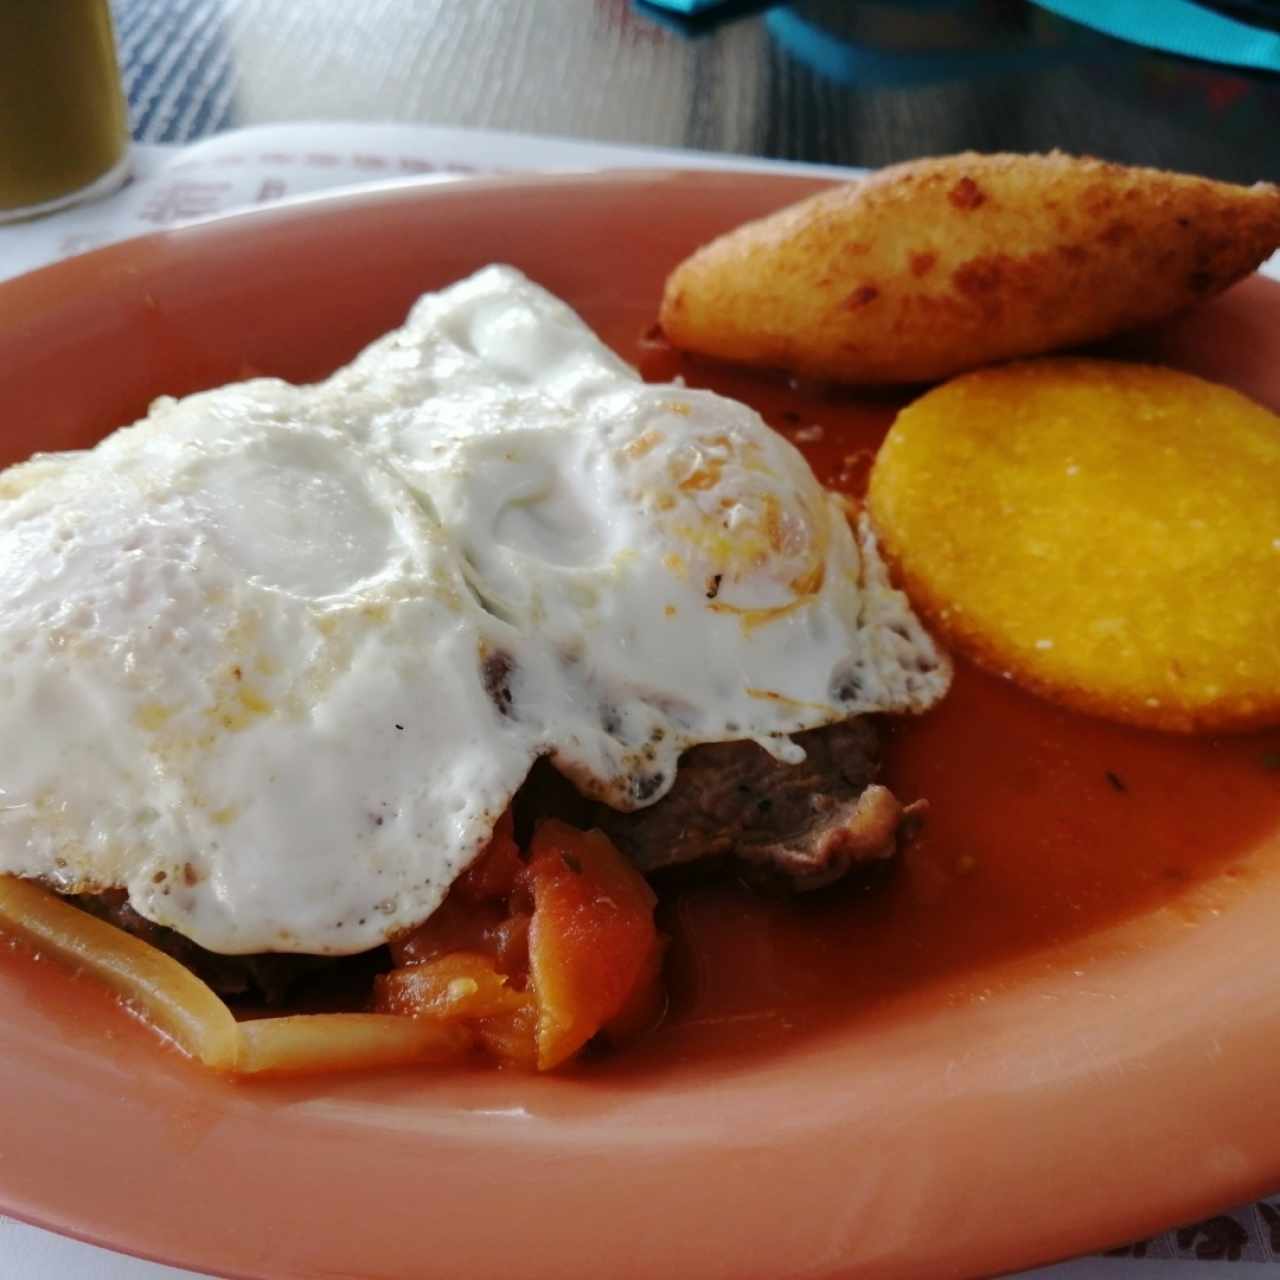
105,260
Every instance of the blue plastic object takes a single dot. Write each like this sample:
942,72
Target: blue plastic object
1177,26
685,6
1170,26
845,62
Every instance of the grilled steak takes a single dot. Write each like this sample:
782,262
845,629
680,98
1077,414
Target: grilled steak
805,824
808,822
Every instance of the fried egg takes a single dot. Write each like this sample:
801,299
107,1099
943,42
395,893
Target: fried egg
276,658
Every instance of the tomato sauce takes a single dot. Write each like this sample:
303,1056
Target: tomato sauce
1043,826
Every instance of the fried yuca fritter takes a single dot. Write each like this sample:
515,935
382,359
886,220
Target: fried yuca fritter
930,268
1106,534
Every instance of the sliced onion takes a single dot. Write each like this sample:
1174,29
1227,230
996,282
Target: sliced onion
308,1042
164,992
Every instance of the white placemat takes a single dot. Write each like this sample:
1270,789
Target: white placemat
248,167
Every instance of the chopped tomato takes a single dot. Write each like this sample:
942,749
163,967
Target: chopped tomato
494,873
535,957
466,987
455,925
512,1038
481,912
592,940
460,985
509,942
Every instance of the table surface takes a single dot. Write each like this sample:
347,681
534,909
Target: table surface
832,82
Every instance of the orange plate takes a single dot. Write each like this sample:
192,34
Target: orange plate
1094,1089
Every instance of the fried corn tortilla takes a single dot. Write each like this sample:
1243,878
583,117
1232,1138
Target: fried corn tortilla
1106,534
929,268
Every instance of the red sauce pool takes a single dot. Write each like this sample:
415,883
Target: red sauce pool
1044,826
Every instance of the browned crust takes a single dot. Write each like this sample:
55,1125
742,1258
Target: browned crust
932,267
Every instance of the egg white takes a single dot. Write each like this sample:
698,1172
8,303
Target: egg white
276,658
